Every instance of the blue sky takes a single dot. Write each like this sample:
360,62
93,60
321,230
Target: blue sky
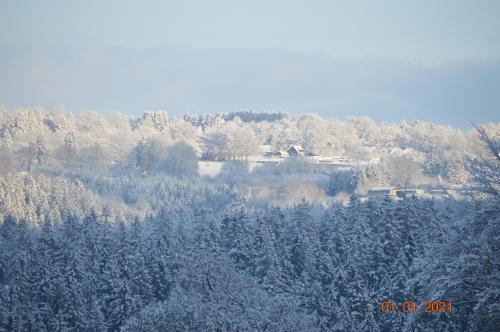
391,60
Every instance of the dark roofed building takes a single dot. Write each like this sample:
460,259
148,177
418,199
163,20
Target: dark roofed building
295,151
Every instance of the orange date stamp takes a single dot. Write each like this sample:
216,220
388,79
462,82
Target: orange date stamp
412,306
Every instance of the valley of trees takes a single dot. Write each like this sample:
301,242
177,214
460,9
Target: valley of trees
105,225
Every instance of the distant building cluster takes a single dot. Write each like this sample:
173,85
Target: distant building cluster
297,151
397,194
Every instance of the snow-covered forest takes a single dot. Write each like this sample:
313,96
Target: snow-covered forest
111,146
107,225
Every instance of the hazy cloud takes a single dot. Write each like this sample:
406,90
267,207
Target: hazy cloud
185,80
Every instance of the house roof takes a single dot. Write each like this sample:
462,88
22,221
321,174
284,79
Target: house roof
297,148
265,148
381,188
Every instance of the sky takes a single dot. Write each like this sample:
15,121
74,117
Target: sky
391,60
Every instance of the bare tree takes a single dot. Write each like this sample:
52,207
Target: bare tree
485,170
216,146
181,160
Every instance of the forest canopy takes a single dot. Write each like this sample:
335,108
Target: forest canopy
106,224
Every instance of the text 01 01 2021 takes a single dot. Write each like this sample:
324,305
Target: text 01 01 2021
412,306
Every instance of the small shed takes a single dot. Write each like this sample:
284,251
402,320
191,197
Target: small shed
411,192
295,151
